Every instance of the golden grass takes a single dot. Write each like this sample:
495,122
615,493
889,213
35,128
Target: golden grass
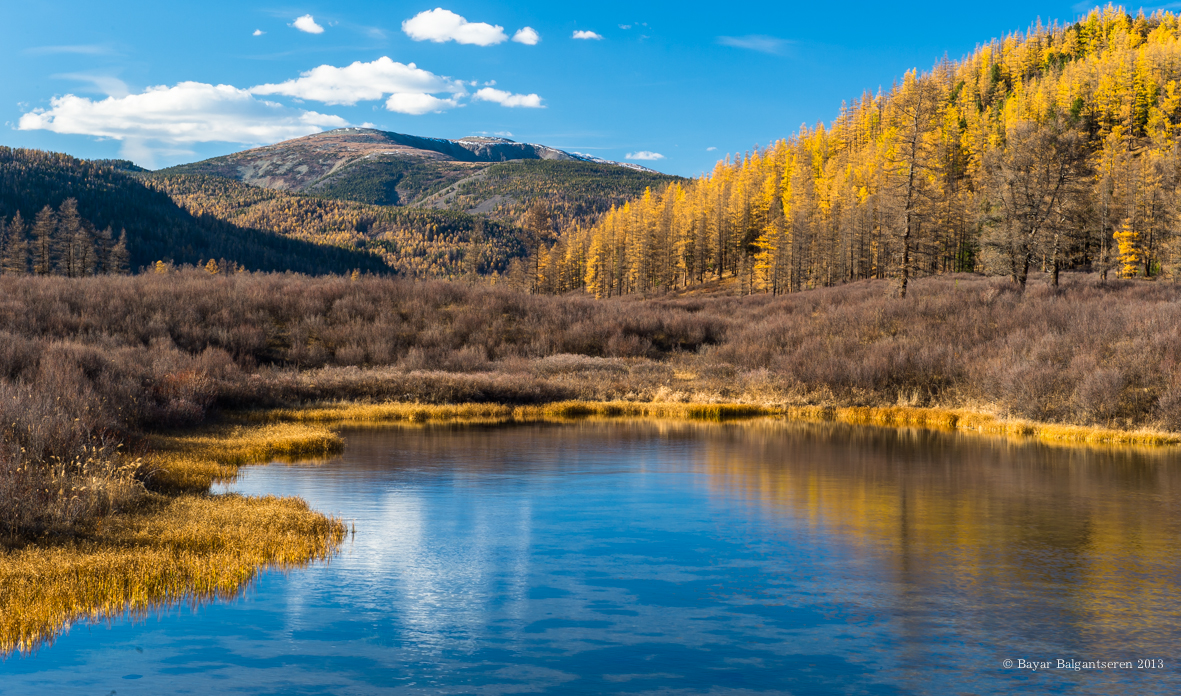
185,549
972,421
193,461
892,416
185,546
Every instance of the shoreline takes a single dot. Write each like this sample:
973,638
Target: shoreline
179,544
957,420
182,544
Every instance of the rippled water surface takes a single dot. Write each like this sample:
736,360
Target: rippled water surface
656,558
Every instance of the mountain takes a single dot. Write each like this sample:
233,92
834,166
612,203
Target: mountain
573,191
382,168
157,228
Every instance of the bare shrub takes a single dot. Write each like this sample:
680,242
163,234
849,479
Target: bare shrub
1097,396
92,362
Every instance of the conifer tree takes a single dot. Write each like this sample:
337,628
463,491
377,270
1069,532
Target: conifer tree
16,248
44,239
119,260
66,242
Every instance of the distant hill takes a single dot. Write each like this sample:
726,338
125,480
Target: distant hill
573,190
157,228
418,243
393,169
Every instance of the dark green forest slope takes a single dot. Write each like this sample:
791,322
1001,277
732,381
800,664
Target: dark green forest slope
418,243
156,227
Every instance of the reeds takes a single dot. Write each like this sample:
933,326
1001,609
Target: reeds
172,551
192,461
347,414
972,421
174,545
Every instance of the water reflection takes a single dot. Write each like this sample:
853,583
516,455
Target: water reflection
1029,538
645,557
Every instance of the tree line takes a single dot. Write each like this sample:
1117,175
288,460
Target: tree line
85,198
60,242
418,243
1048,150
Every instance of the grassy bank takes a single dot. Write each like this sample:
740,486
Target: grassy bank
172,547
353,414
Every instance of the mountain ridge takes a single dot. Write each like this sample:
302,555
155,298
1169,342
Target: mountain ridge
371,166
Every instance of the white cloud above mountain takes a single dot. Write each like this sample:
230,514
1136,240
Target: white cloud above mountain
186,113
644,155
308,25
365,82
418,104
439,25
587,35
499,96
527,36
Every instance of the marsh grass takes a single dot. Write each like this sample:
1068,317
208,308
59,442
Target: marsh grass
192,461
187,549
347,414
972,421
176,544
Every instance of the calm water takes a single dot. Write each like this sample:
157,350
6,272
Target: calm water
683,559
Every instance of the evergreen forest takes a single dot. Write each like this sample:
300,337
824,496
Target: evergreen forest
417,243
64,216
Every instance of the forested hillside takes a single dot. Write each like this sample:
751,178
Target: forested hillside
61,215
1047,150
418,243
572,192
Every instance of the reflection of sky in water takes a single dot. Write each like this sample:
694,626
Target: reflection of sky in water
631,558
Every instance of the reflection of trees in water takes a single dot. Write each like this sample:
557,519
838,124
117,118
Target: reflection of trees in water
1023,535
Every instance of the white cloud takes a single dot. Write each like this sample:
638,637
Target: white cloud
363,82
644,155
504,134
625,26
710,149
189,112
586,35
499,96
307,24
527,36
258,32
418,104
756,42
441,25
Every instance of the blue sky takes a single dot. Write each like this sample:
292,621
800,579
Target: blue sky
674,86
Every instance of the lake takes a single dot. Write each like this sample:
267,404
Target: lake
648,557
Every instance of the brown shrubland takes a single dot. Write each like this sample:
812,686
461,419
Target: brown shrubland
89,365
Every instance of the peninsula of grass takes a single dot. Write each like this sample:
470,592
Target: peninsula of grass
173,545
